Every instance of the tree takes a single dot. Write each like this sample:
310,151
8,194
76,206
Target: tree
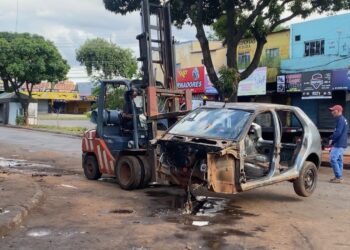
258,17
29,59
108,59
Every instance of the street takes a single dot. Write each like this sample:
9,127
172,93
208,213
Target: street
77,213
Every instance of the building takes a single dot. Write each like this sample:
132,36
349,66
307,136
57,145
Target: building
63,97
189,54
10,109
317,74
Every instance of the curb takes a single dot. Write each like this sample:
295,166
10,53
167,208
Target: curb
42,130
24,212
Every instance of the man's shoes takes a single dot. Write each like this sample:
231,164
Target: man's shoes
336,180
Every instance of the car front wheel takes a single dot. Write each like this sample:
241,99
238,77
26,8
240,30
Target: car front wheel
307,180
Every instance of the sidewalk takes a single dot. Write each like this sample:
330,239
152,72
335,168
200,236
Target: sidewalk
19,195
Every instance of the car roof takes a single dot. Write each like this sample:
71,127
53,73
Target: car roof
251,106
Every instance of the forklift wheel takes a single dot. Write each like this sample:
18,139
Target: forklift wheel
128,172
90,166
146,171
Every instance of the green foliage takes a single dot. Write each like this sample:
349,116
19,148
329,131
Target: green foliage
63,130
115,98
27,58
228,80
88,114
241,19
30,58
20,120
107,59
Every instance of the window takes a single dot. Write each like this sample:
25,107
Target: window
272,53
313,48
244,58
297,38
212,123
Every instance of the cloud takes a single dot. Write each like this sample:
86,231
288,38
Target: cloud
69,23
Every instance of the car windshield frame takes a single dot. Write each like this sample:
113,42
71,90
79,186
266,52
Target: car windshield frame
215,123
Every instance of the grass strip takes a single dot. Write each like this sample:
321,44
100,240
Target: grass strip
64,130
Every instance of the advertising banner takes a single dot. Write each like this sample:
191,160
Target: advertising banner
68,96
317,85
255,84
209,87
281,84
293,83
191,78
341,79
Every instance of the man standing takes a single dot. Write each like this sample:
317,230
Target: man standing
339,142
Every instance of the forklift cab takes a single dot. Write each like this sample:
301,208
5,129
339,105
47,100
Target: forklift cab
111,120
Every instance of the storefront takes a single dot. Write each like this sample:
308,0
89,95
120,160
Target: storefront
63,97
315,91
196,79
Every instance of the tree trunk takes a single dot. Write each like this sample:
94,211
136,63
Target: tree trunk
6,85
231,54
25,106
24,103
203,41
208,63
234,97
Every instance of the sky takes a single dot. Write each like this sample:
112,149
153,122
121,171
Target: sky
69,23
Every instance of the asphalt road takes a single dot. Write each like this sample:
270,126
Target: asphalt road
77,213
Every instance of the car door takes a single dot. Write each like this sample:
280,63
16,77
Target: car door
261,147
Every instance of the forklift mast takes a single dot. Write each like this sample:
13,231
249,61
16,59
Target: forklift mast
157,47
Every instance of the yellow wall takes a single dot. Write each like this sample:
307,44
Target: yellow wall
189,54
79,107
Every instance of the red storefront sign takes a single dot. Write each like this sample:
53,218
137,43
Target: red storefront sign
191,78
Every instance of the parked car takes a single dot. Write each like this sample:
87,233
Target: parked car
235,147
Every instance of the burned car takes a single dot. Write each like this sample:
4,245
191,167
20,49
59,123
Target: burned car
234,147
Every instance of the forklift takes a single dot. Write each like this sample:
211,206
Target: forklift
130,152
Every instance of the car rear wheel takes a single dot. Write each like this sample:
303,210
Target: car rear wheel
306,183
91,169
128,172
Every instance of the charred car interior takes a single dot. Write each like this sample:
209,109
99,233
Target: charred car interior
230,148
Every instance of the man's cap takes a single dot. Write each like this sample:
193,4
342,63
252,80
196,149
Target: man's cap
337,108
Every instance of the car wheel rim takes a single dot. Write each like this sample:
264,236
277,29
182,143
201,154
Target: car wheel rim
309,180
